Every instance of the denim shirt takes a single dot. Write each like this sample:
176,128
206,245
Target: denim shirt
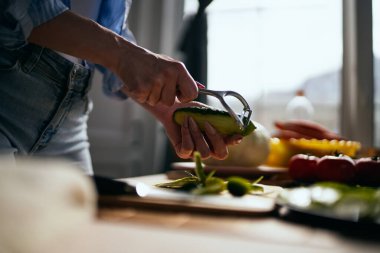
19,17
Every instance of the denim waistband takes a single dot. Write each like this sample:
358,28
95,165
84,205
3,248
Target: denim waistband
56,67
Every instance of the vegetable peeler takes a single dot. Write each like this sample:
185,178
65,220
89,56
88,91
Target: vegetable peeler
241,119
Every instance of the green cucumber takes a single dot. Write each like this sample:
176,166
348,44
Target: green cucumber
220,120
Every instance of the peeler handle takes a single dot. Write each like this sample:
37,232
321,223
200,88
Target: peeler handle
200,86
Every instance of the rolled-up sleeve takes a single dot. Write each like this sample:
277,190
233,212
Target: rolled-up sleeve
19,17
112,85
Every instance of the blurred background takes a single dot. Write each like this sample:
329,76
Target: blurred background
266,50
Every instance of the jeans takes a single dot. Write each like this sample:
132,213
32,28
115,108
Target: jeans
44,106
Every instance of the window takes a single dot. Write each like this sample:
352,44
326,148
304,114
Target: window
376,50
267,50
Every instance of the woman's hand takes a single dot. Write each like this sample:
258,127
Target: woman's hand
153,79
188,137
303,129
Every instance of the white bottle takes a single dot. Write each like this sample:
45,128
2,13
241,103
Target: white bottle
300,107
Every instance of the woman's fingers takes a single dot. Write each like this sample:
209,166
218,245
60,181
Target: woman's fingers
286,134
199,141
187,88
169,93
185,150
233,139
156,93
152,79
216,142
208,143
303,129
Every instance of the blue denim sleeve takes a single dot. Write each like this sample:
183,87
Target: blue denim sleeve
112,85
19,17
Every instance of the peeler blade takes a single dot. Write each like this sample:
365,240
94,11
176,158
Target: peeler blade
241,119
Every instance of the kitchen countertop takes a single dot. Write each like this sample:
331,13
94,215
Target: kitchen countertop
147,229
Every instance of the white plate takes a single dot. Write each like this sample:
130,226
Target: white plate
233,170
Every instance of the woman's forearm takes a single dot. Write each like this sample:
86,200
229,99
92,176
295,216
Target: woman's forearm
80,37
148,77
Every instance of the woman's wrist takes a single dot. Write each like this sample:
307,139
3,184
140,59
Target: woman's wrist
120,53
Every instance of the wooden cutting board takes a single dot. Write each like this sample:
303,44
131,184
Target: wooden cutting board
171,200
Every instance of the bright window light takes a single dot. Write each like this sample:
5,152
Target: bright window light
267,49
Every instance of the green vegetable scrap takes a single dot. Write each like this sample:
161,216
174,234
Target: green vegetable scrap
213,185
182,183
239,186
202,184
208,183
199,171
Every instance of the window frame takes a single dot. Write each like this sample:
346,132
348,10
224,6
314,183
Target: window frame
357,105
